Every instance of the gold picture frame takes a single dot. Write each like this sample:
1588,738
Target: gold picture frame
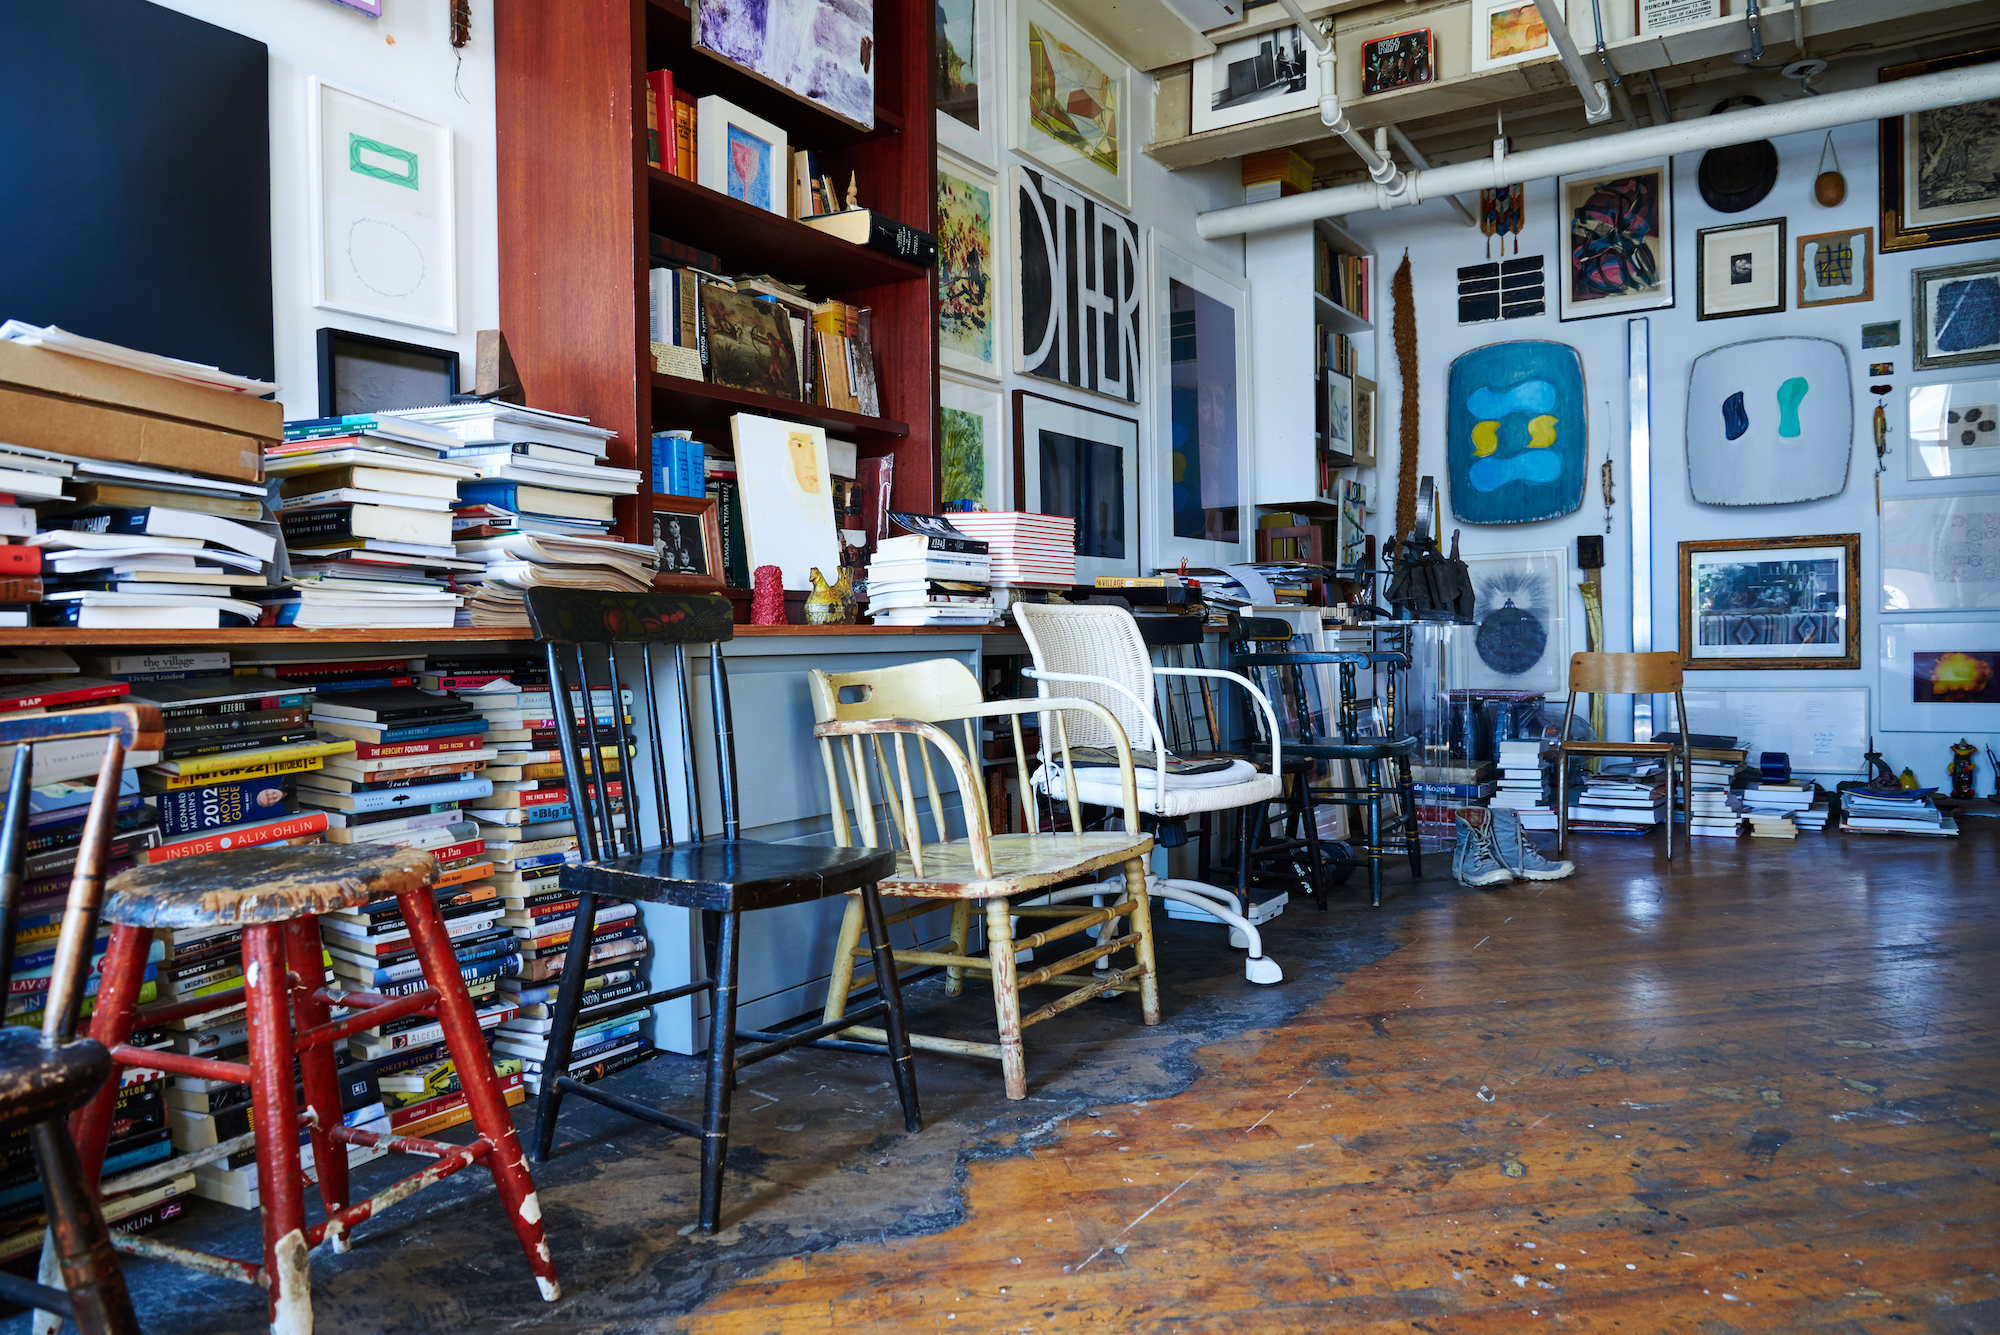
705,549
1906,223
1769,610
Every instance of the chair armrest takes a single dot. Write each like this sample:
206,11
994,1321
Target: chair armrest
1263,702
1138,708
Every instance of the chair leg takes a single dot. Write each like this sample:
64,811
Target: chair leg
961,941
1308,815
1374,771
316,1069
1142,927
841,984
721,1074
287,1268
562,1034
1562,802
80,1241
474,1065
902,1066
1006,994
1247,821
1412,827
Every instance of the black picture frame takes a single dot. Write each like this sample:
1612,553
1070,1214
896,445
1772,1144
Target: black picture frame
1779,260
338,346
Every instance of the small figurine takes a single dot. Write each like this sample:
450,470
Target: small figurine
1960,768
853,190
1909,779
767,597
830,604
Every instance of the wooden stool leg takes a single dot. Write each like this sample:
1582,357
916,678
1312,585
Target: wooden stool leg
961,941
721,1074
1006,994
124,972
902,1067
482,1092
286,1265
1309,819
81,1243
1142,927
316,1067
562,1035
842,982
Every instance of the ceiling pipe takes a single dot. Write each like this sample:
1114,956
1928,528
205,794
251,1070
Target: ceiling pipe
1388,178
1611,71
1418,161
1899,97
1596,102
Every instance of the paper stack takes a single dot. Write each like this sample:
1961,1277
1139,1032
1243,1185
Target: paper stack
1620,804
1910,811
1714,812
500,570
1024,550
1521,784
931,579
533,471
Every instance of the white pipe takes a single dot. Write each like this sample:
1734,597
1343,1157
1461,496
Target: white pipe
1899,97
1387,177
1418,161
1596,105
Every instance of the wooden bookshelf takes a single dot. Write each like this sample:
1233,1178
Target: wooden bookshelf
578,201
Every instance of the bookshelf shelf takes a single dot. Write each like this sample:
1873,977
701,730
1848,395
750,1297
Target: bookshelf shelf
758,241
697,404
1338,318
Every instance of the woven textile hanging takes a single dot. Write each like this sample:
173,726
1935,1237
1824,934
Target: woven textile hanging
1403,299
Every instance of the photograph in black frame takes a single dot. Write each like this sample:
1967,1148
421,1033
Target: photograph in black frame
1740,269
365,373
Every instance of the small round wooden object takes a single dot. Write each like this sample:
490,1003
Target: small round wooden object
1829,188
246,886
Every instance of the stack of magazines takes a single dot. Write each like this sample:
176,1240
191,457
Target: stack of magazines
1911,811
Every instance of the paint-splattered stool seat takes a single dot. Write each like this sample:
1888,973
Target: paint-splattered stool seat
273,896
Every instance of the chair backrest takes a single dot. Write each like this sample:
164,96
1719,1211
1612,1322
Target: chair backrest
125,727
1625,674
1092,641
584,630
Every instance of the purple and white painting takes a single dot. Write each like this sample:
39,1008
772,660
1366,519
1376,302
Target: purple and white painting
821,50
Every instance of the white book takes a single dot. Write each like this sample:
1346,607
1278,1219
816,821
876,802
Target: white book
31,486
356,496
314,461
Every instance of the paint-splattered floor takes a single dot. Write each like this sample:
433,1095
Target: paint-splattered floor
1750,1090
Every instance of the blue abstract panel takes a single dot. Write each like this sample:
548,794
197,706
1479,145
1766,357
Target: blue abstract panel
1770,421
1516,443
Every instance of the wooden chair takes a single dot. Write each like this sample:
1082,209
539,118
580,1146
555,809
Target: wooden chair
46,1075
993,870
1622,674
723,878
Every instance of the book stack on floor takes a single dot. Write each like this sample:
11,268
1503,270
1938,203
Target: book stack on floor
1714,812
1620,802
505,567
1772,808
1522,784
1813,817
1910,811
1024,550
206,1113
925,579
415,762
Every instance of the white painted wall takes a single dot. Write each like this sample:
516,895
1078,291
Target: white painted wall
1439,242
404,59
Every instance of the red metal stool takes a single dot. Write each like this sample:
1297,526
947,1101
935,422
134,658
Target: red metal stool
275,895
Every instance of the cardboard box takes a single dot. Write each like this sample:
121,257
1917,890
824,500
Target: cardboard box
72,405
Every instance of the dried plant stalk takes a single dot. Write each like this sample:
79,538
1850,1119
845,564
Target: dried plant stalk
1403,300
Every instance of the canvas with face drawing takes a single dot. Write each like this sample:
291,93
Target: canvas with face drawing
1516,439
1770,421
787,497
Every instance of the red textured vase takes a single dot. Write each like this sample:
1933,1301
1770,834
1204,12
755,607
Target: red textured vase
767,597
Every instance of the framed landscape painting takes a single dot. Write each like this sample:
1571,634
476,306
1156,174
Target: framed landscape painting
968,273
1071,103
967,81
972,447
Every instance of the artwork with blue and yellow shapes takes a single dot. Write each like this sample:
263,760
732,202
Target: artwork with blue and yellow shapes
1517,447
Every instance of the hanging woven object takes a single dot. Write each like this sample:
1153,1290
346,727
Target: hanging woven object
1501,211
1403,298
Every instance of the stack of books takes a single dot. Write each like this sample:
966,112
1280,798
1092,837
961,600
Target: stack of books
1714,812
1024,550
1620,803
502,568
671,118
1770,825
925,579
1813,817
1776,801
1522,784
680,464
1275,173
206,1113
533,470
1911,811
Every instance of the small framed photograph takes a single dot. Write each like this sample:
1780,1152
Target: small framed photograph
1364,423
1941,676
1340,417
1836,267
1658,16
1617,238
1957,309
688,542
1954,431
1771,602
1254,78
1084,464
742,156
1507,32
1400,60
1739,270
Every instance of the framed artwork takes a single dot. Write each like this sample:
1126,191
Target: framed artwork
1739,270
1882,334
1350,537
1941,676
381,211
742,156
819,51
1077,264
1836,267
1252,78
1507,32
1771,602
972,447
1083,464
1196,475
1954,430
372,8
1658,16
361,373
1364,423
1517,640
1770,421
1618,240
1339,409
749,343
1517,440
968,273
1071,102
1941,554
687,539
1940,176
1957,310
967,82
787,497
1511,289
1400,60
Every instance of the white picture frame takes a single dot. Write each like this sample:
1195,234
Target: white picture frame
1954,430
1052,67
381,210
1096,458
1212,398
721,127
1340,414
1271,73
1060,282
1652,17
1503,33
1941,553
962,403
787,498
1909,647
971,253
1577,299
969,126
1519,637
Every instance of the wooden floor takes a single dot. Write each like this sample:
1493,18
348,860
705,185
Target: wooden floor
1754,1089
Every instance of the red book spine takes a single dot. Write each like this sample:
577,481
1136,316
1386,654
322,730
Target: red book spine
103,690
216,841
19,560
470,848
371,668
662,83
428,747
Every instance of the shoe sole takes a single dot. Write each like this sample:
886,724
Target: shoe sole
1500,877
1562,875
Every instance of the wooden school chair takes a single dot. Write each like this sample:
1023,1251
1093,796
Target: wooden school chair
46,1074
1623,674
864,718
722,877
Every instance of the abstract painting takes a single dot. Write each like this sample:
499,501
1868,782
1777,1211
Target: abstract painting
787,497
1516,438
749,343
1836,267
1501,290
1083,464
1505,32
1771,602
1941,553
971,447
1940,675
1955,676
1940,169
968,286
1255,77
967,82
1070,103
1400,60
1079,287
1957,310
1740,270
1618,241
1954,430
1518,641
820,50
742,156
1770,421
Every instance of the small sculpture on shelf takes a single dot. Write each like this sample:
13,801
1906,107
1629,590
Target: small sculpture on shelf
1960,768
830,604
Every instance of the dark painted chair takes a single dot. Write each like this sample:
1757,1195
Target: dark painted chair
723,878
46,1075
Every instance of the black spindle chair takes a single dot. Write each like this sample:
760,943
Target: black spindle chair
721,877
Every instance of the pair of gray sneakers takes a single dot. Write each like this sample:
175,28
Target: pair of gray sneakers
1492,849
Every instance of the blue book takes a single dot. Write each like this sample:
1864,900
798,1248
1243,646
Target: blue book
417,732
211,806
505,495
422,795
